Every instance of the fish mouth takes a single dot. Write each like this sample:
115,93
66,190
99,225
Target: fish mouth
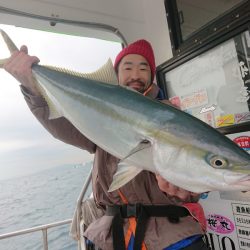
233,178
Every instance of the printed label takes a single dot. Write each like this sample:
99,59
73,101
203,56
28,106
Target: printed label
242,117
243,232
244,244
209,118
241,209
220,224
195,99
243,142
207,109
242,220
225,120
175,100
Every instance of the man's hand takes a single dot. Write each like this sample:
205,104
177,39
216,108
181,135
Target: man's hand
19,66
173,190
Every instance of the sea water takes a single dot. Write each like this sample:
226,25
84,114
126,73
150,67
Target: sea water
42,198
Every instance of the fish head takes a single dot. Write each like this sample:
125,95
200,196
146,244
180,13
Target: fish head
193,155
202,169
233,164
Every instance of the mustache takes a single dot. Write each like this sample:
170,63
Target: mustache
136,81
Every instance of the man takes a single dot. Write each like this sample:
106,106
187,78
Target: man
135,67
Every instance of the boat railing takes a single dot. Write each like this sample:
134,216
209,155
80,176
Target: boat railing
44,228
75,230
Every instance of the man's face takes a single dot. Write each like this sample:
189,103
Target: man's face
134,72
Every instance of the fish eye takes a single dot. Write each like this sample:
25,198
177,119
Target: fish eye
217,161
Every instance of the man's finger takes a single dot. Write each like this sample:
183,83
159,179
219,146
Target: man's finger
24,49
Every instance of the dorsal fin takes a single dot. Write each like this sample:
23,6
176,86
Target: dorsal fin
105,74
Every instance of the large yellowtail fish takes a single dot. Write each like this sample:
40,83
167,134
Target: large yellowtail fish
145,134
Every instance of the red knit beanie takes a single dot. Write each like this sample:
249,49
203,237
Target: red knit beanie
140,47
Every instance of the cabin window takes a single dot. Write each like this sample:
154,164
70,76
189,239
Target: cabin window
214,85
193,24
193,15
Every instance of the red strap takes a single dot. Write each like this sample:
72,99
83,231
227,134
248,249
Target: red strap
197,213
147,90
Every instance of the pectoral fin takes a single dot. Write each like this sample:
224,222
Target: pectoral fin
141,146
126,171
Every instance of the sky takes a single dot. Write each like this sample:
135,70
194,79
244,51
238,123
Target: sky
25,146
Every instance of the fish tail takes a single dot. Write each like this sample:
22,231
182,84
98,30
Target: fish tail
9,43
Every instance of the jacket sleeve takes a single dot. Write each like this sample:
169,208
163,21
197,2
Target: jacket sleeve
60,128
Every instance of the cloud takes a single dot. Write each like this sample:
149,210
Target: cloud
26,160
24,144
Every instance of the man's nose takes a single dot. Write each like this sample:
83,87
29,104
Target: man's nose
135,74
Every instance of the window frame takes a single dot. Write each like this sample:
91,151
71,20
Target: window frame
182,58
214,30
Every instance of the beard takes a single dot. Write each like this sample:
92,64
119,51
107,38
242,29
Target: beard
138,85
